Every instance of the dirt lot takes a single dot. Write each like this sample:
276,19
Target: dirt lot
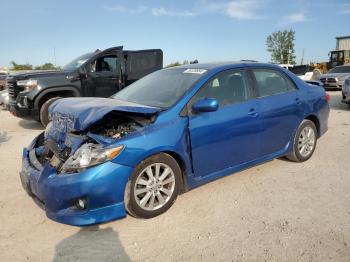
278,211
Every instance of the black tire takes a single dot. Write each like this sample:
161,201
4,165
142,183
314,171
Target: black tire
131,204
296,156
44,110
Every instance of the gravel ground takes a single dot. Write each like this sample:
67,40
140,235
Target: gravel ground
278,211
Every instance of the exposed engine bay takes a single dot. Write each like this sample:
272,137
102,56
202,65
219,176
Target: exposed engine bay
59,147
118,126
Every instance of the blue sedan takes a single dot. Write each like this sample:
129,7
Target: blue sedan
165,134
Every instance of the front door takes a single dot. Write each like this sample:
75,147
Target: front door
102,75
229,136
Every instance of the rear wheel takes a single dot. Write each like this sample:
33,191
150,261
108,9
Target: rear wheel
153,187
305,141
44,111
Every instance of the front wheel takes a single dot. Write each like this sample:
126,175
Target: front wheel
305,141
153,187
44,111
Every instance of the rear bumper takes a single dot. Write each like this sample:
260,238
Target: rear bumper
101,186
323,116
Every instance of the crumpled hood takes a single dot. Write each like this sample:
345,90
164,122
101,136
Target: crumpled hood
79,113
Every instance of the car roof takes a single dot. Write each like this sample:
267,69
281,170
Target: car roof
219,65
343,66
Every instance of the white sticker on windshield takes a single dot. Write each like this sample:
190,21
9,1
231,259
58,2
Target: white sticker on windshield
195,71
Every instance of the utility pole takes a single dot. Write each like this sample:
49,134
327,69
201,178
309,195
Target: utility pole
302,58
289,51
54,55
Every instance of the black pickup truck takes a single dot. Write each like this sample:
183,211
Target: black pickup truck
97,74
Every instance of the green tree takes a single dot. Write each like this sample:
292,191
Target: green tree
280,44
16,66
46,66
173,64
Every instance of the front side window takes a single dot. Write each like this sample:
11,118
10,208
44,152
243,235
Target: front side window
104,64
270,82
229,87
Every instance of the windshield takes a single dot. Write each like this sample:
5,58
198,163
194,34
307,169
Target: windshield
340,69
161,88
76,63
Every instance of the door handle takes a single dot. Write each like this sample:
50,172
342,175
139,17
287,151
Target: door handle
297,100
253,113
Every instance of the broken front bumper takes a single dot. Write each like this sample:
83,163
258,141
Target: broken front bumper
102,187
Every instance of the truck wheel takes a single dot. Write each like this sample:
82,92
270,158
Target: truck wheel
44,112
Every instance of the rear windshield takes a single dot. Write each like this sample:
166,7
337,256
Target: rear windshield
340,69
161,88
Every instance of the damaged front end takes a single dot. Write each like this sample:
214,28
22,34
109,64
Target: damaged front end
69,173
68,150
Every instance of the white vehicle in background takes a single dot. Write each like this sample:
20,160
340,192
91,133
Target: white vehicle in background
4,97
306,72
346,91
286,66
3,76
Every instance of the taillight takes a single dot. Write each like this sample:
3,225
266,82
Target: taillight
328,97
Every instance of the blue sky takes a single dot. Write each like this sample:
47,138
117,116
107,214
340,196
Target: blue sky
205,30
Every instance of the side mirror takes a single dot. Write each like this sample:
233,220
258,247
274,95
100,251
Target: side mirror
83,71
205,105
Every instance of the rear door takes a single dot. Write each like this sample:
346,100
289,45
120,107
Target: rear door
280,108
103,76
231,135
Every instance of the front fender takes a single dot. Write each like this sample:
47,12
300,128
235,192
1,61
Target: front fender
168,137
40,95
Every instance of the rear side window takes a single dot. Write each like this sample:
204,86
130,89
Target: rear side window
270,82
140,64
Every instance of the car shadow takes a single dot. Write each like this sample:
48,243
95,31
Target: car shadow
91,244
335,102
28,124
4,137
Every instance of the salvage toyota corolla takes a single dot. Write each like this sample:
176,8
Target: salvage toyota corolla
169,132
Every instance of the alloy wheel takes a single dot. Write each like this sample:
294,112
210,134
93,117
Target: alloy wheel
154,186
306,141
